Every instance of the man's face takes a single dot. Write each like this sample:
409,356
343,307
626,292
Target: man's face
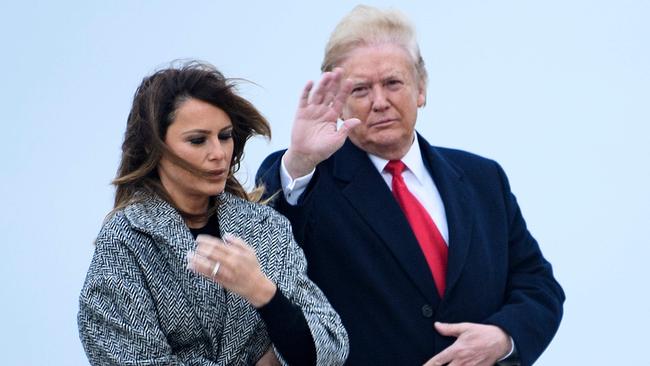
385,97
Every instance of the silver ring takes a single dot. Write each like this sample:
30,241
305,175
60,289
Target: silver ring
215,269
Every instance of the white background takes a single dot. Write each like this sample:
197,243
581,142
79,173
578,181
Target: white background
556,91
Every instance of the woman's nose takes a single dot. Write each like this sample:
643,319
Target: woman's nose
216,151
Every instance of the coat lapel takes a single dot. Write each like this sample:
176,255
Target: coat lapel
455,196
370,196
234,218
173,239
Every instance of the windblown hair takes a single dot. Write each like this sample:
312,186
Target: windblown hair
154,107
368,26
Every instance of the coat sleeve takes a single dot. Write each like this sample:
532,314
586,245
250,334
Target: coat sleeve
268,175
117,315
533,301
330,337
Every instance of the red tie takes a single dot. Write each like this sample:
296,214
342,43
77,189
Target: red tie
426,232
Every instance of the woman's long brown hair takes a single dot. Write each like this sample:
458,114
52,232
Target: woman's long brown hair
154,105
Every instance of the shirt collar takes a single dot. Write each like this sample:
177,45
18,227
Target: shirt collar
412,160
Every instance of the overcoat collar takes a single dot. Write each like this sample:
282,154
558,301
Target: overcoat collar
155,216
371,197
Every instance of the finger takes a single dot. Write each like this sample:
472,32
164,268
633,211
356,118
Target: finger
235,241
431,362
333,88
338,71
240,247
451,330
211,247
200,264
344,130
442,358
319,93
342,95
304,97
205,237
349,124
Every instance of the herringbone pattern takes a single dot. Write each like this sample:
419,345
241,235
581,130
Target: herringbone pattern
140,305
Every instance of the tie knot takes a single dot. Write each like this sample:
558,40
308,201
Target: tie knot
395,167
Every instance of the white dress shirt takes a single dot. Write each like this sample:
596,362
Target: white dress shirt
416,176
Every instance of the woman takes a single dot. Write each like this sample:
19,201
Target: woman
187,270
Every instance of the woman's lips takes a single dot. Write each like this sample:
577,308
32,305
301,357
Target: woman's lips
217,174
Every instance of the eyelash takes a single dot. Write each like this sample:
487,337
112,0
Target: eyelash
197,140
201,140
225,135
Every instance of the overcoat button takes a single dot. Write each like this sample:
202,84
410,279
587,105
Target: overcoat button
427,311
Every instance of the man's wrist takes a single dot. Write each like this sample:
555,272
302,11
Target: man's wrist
297,165
512,357
293,188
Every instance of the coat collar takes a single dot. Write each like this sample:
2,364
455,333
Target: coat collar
155,216
371,197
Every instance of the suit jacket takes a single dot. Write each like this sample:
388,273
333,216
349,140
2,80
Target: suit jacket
364,256
139,303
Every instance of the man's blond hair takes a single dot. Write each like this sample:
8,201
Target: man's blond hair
369,26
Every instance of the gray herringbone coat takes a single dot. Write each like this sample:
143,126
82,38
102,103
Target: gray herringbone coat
141,306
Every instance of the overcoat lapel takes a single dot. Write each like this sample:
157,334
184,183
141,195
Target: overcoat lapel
455,196
370,196
158,219
233,220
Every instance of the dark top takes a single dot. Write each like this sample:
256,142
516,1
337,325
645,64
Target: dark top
284,321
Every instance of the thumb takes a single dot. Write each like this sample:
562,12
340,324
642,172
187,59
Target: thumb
349,124
450,329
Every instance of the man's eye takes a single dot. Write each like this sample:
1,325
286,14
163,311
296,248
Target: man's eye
394,83
360,91
197,140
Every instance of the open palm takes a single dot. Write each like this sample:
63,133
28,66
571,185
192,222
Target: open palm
315,135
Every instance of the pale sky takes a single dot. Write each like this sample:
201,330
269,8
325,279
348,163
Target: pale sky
555,91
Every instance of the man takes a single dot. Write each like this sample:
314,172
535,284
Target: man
422,250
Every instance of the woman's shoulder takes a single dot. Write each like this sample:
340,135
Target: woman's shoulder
115,224
128,225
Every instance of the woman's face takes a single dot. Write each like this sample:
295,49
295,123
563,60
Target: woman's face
200,134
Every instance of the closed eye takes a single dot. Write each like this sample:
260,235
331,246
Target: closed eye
225,135
197,140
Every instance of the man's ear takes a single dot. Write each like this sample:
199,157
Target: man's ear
422,94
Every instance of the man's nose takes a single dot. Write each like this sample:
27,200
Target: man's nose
379,99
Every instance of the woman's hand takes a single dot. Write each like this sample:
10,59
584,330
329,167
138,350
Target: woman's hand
268,359
233,264
314,136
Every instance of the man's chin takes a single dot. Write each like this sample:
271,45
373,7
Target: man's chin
388,147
